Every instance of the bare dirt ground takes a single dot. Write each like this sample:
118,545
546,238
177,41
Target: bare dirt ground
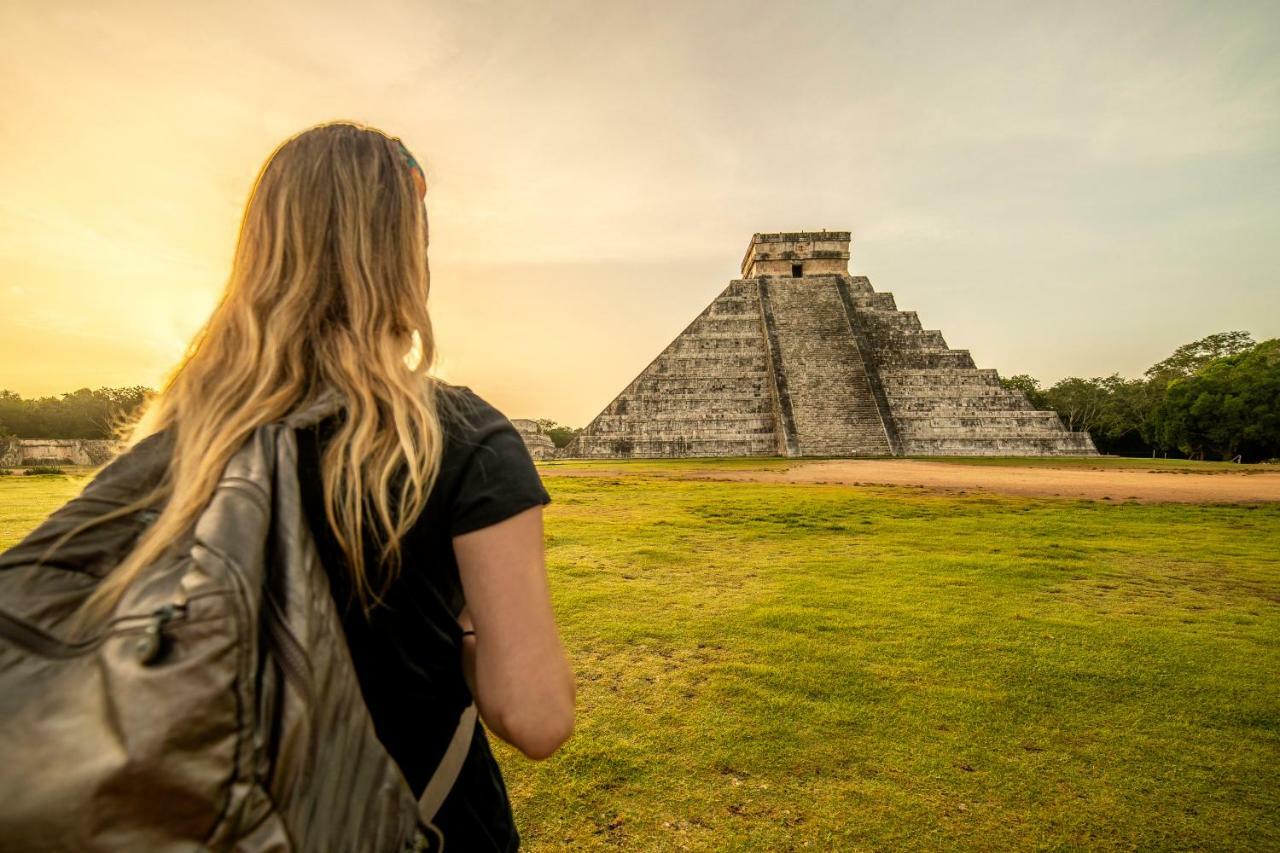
1115,485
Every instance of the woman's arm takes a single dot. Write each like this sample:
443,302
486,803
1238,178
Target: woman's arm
522,682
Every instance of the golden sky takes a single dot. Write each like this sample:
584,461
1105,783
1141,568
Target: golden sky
1064,189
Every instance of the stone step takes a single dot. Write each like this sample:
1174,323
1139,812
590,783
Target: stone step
712,371
875,302
925,359
1065,444
877,321
926,377
746,325
708,384
685,423
1013,418
681,363
659,406
741,288
959,391
729,343
725,309
667,396
956,435
912,405
913,339
673,447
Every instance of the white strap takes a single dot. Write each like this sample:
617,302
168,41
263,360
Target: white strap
449,768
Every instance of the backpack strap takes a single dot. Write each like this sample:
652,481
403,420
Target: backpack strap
455,755
326,403
450,766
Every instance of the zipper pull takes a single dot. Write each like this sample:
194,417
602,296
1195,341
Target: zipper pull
148,647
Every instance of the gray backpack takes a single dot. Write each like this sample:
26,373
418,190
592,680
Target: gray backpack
219,709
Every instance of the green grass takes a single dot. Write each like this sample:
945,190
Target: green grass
25,500
781,666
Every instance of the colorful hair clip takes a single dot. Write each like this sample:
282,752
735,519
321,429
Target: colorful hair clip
419,177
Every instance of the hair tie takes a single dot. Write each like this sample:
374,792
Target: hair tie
419,177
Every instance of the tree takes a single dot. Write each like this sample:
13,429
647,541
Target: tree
77,414
560,435
1230,406
1120,413
1126,423
1079,402
1028,385
1189,358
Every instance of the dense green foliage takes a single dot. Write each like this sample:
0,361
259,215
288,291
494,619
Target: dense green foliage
1189,358
79,414
1229,406
559,433
817,667
1120,413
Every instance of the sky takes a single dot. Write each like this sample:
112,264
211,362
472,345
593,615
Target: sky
1061,188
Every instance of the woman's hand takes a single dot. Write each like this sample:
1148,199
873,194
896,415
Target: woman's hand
519,675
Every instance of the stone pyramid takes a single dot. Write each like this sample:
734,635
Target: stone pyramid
799,358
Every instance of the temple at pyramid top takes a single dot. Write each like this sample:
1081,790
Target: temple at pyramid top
796,254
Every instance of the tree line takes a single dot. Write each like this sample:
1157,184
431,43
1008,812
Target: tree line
1215,398
93,414
78,414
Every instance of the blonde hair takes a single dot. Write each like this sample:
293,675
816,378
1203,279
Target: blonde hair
328,290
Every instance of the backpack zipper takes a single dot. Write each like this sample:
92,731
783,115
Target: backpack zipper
289,652
148,647
151,627
34,639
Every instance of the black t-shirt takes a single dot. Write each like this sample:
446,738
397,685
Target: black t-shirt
407,652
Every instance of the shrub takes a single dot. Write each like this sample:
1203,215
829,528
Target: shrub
37,470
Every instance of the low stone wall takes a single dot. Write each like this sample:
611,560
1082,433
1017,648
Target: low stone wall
18,452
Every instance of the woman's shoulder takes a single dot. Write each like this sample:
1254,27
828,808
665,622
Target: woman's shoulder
490,471
463,414
467,416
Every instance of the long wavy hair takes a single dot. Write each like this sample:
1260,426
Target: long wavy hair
327,291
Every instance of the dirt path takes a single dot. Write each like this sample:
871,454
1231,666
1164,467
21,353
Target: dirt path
1116,485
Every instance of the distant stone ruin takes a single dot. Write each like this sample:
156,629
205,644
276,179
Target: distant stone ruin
17,452
799,358
539,444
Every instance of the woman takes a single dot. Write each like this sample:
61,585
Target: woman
424,502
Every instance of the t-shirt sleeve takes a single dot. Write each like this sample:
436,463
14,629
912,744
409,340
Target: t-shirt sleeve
498,478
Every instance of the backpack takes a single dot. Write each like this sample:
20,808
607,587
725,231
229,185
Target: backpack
219,708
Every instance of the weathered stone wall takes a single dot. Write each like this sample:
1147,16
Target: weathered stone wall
538,443
815,253
17,452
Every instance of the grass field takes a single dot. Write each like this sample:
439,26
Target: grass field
768,666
